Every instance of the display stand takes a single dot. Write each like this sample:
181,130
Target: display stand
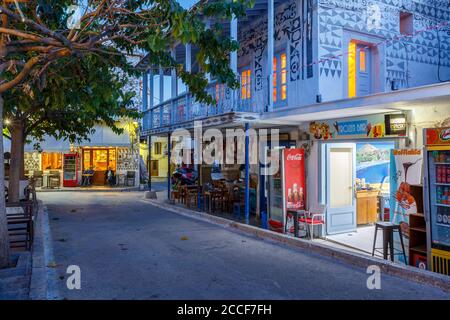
418,231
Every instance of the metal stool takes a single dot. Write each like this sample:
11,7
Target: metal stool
388,229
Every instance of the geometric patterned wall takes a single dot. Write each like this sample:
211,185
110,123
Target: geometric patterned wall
381,18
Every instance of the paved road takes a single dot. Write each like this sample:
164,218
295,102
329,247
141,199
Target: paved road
128,249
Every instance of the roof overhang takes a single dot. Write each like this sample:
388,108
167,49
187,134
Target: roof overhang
402,100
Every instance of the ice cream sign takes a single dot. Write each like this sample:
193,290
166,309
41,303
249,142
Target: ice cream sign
350,128
368,127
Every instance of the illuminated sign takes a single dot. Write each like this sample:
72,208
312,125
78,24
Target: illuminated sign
395,124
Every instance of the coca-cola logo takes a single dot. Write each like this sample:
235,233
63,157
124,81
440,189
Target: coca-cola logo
445,134
297,156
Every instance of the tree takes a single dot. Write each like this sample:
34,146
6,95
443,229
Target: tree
41,37
74,98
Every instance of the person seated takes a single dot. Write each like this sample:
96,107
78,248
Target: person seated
87,177
110,177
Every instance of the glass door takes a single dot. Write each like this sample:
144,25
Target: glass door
439,176
275,197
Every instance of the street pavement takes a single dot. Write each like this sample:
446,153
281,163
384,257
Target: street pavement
128,249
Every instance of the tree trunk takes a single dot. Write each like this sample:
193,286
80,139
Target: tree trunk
4,241
15,168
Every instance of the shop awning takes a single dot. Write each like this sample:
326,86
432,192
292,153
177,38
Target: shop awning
436,95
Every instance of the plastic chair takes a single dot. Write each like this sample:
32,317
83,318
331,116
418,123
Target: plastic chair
313,217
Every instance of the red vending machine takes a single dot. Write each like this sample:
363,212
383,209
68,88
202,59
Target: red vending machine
287,189
70,170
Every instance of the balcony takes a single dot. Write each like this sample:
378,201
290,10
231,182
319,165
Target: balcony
184,109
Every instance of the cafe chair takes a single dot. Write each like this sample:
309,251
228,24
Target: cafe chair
38,178
54,179
130,178
311,218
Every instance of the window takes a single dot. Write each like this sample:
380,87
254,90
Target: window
51,160
406,23
158,148
280,77
246,89
362,60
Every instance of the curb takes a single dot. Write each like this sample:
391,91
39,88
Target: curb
41,256
353,258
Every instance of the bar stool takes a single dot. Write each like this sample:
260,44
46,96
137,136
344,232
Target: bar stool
388,229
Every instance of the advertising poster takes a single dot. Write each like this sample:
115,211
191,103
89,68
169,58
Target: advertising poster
438,136
294,183
406,170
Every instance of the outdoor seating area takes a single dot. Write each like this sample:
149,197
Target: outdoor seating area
217,197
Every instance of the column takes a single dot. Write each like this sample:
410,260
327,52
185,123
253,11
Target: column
144,91
161,95
188,63
151,98
234,36
173,75
149,162
247,174
208,26
270,46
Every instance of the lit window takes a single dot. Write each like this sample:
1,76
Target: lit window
283,77
352,70
274,79
246,84
362,60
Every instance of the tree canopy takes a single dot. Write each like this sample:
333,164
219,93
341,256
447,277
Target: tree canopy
39,34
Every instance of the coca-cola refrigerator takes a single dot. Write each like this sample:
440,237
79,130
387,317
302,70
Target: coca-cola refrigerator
437,197
286,190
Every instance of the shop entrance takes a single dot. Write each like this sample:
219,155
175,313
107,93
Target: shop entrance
356,190
99,160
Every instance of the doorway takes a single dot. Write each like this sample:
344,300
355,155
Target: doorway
356,191
154,165
340,175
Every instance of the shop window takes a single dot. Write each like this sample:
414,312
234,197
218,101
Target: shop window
51,160
280,78
406,23
99,159
158,148
246,89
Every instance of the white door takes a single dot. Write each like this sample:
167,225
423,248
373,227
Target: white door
340,183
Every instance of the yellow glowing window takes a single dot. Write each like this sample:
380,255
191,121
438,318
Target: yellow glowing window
352,70
362,60
51,160
283,77
246,90
274,79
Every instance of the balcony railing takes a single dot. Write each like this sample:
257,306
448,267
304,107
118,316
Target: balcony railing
185,108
